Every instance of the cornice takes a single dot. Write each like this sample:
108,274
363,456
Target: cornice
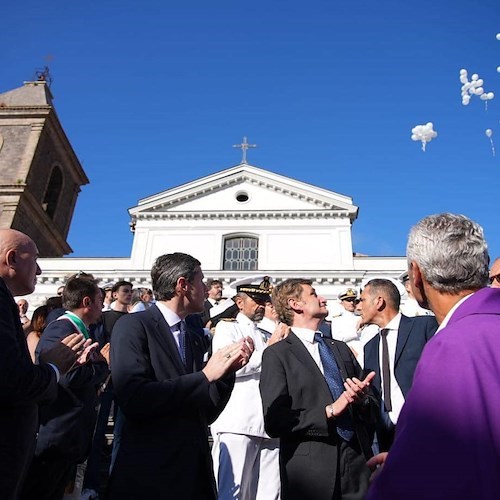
240,215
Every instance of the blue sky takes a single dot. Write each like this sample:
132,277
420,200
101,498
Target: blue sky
153,94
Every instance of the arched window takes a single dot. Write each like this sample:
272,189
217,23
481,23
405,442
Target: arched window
54,188
241,253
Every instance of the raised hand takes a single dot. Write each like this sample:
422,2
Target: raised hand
65,353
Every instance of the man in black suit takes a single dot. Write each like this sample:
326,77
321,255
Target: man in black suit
22,385
316,401
394,353
167,394
215,288
67,424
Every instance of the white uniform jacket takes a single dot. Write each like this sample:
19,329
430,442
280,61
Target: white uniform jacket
243,413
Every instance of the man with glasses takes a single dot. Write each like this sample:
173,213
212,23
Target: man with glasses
495,274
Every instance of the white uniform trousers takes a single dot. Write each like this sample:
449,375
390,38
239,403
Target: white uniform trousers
246,467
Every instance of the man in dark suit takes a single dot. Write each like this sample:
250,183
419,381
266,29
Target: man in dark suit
22,385
215,288
316,401
404,338
67,424
167,394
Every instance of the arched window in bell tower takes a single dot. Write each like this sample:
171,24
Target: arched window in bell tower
53,192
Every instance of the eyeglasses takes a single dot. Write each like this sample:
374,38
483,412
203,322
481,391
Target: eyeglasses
350,299
494,278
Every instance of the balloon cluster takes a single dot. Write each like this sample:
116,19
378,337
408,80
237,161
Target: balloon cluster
424,134
473,87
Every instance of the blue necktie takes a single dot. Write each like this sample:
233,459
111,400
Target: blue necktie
335,384
182,341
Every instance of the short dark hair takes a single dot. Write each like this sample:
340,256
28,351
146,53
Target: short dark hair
78,287
54,303
168,268
388,289
211,283
119,284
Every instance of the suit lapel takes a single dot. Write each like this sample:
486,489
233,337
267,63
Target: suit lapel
405,327
166,339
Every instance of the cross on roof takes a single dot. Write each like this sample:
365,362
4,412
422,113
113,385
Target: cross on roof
244,146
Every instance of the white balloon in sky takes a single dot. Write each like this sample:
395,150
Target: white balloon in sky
488,132
498,69
474,77
498,36
491,95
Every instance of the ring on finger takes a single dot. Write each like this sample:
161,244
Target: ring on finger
228,355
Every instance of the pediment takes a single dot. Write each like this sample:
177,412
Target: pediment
244,188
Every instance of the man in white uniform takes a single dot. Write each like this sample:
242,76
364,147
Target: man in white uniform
246,459
345,327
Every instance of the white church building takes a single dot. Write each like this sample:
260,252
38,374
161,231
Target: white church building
239,222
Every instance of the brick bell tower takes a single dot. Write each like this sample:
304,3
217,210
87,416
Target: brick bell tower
40,175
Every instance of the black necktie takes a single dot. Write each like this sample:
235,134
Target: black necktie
182,341
336,385
386,371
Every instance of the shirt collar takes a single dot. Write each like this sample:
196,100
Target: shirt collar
447,318
170,316
304,334
394,323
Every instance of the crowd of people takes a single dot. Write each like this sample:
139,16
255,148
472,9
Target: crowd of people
377,399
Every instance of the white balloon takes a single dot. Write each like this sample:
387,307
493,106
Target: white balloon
475,77
491,95
483,97
464,71
498,69
479,91
488,132
479,82
498,36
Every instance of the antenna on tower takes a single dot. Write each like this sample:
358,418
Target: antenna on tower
43,74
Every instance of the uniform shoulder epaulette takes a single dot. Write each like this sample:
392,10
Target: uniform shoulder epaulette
232,320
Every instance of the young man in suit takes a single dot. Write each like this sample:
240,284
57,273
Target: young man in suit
394,353
447,443
167,394
67,424
23,385
317,402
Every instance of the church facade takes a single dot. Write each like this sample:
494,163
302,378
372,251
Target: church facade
239,222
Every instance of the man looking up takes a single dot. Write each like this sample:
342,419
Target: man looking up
394,353
245,457
447,443
316,401
22,385
167,395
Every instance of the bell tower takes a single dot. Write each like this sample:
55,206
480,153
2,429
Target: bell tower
40,174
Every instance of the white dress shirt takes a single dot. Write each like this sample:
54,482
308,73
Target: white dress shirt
173,321
306,336
397,398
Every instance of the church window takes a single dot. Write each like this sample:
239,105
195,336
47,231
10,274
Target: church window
241,253
54,188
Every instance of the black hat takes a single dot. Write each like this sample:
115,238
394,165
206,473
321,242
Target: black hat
260,291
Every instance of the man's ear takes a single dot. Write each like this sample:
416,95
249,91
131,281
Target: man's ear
293,304
416,275
86,302
181,285
11,258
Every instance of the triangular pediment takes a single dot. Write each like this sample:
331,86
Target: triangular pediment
244,188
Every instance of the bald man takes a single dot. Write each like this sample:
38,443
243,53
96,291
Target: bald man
22,384
495,274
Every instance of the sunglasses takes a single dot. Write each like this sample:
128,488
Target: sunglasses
494,278
350,300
